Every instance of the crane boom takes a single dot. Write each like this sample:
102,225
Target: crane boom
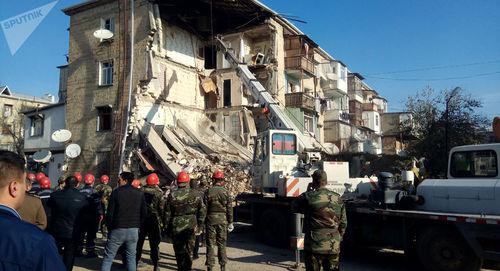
278,117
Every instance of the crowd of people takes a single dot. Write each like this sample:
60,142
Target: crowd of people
53,226
45,229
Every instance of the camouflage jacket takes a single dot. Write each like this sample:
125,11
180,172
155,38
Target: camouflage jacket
324,220
184,209
103,189
154,201
219,206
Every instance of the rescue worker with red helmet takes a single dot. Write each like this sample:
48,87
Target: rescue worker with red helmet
151,226
200,186
44,194
219,220
35,182
92,215
103,189
184,215
79,179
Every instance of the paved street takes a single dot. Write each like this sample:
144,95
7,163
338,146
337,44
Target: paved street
246,253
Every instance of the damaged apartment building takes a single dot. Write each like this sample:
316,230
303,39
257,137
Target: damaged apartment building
188,105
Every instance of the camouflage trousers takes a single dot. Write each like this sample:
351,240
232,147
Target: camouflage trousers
183,247
314,262
216,235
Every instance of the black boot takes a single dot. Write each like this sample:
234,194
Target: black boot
222,268
156,268
209,268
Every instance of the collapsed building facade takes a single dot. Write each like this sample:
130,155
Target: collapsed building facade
185,106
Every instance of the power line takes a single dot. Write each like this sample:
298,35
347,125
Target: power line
434,79
438,67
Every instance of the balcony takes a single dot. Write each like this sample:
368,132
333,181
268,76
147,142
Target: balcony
300,66
337,114
369,107
300,100
331,88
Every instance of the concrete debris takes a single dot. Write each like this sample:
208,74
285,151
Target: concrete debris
199,151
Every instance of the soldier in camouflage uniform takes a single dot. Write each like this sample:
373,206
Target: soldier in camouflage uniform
151,226
324,224
104,190
219,220
184,215
200,188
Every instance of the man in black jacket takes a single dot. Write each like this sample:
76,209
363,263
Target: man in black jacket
126,211
66,222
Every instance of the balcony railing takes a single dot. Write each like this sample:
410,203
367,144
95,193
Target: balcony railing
300,100
369,107
300,63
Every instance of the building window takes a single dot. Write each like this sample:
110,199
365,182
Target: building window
343,73
376,120
104,114
106,73
227,93
109,24
7,110
36,125
6,129
101,163
308,124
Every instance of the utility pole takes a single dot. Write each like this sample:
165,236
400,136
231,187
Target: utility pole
447,119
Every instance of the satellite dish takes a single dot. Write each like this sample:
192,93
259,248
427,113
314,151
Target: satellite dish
61,135
73,150
103,34
42,156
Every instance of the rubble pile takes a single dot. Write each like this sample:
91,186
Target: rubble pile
199,151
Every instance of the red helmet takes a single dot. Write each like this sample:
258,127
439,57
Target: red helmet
136,183
183,177
89,179
104,179
78,176
45,183
153,179
39,176
218,174
31,177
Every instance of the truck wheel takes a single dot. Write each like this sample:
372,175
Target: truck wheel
273,228
441,249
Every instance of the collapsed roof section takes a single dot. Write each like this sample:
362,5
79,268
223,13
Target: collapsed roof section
210,17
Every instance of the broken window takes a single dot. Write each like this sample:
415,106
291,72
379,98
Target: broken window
7,110
108,23
36,125
227,93
104,115
106,73
210,54
101,163
308,124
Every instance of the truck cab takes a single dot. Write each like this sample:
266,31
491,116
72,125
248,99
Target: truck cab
278,166
472,185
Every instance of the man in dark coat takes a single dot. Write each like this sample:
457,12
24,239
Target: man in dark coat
66,222
23,246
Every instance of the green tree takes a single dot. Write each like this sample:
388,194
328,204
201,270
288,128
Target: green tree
441,121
